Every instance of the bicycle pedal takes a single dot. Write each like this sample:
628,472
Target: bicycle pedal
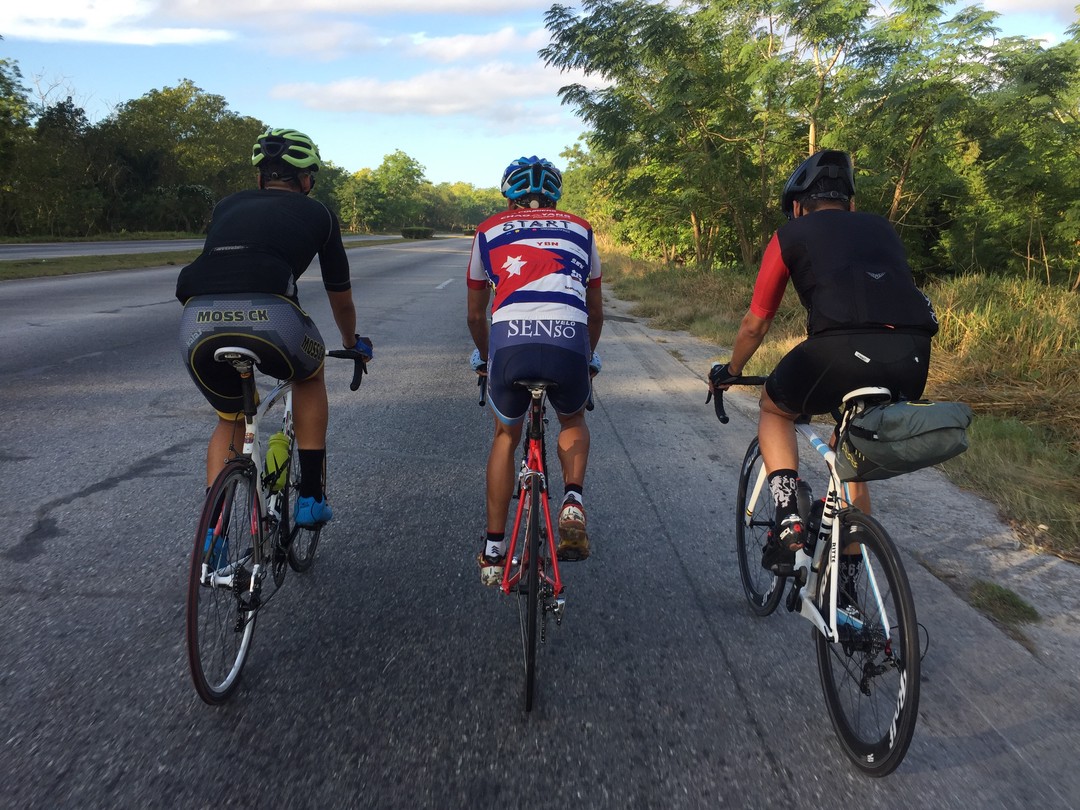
794,600
783,570
558,608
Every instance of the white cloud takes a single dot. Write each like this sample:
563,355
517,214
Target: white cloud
120,22
326,43
252,9
467,46
494,92
1061,9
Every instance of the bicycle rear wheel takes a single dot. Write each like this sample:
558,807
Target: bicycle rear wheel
870,677
302,542
529,595
219,633
754,519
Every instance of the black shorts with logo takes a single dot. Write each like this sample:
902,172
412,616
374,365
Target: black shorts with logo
814,376
285,339
554,350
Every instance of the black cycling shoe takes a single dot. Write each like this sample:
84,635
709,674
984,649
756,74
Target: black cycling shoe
778,555
776,558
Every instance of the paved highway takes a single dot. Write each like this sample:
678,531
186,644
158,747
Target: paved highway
388,677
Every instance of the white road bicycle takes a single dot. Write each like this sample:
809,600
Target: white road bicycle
245,533
850,584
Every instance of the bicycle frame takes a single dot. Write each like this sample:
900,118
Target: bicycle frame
812,568
268,502
532,468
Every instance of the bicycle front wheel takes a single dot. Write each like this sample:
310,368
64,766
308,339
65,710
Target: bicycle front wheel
219,632
302,541
870,676
529,596
755,515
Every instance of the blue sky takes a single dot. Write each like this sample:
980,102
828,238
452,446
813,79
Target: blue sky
456,84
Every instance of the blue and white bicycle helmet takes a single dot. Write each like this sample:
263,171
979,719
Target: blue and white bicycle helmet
532,175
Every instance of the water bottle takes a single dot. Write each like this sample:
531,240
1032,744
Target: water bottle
277,460
804,497
814,524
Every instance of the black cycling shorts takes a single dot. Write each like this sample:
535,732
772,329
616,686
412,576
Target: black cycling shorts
814,376
568,369
285,339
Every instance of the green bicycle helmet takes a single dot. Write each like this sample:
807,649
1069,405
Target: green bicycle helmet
290,146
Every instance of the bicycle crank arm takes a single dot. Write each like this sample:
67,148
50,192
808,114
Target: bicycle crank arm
558,607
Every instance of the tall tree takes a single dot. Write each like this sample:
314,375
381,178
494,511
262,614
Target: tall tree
14,134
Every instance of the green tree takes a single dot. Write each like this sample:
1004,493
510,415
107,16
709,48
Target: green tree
360,202
14,135
400,180
172,139
686,135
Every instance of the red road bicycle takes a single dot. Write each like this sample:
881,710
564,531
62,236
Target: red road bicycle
532,569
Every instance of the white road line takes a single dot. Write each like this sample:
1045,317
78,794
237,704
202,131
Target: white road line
441,286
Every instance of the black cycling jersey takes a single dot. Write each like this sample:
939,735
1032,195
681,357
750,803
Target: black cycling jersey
261,241
850,271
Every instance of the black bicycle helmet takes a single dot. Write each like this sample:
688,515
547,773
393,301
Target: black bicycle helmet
289,146
532,175
824,175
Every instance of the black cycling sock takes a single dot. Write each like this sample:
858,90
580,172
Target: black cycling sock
782,487
311,473
572,489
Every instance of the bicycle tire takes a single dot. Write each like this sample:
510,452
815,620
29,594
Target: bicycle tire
531,594
219,635
763,589
302,542
870,678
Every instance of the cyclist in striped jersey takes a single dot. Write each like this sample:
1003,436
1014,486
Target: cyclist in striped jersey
546,319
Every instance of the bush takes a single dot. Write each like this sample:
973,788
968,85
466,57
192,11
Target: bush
417,232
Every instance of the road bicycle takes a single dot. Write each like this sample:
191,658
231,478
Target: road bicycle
245,533
849,582
532,569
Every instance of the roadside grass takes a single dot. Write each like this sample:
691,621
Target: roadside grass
1004,608
1008,347
123,236
71,265
1001,604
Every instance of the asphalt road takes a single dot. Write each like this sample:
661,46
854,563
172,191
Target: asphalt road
388,677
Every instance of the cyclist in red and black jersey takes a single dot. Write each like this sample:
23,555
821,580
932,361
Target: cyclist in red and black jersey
867,324
241,291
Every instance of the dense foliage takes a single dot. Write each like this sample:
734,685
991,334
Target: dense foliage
161,161
968,142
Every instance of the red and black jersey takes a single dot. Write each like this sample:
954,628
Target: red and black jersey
850,271
261,241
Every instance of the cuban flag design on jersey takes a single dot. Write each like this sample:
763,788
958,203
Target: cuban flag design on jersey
539,261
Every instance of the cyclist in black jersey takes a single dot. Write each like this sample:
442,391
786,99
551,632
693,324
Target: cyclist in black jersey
241,291
867,325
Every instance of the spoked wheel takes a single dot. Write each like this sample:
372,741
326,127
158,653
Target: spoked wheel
219,633
529,591
302,542
870,677
755,515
